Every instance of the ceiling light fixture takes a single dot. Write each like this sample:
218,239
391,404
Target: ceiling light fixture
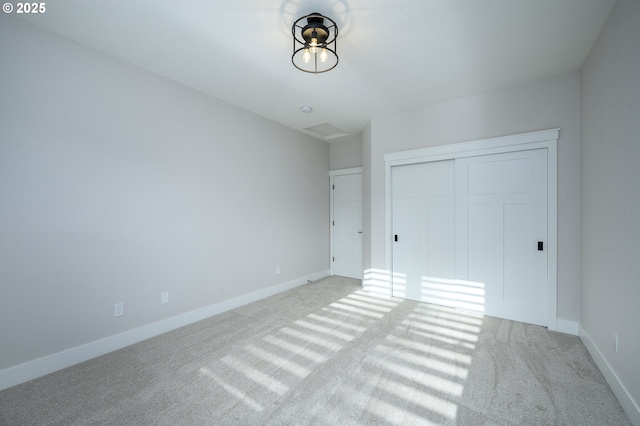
306,109
314,44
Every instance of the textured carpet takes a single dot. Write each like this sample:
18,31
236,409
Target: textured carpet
328,353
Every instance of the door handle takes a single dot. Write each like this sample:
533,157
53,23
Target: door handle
359,232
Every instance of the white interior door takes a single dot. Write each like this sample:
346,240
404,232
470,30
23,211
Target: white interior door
471,233
501,233
347,226
423,232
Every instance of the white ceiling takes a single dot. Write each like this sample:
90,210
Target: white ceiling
395,55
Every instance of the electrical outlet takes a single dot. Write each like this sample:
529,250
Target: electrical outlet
164,298
615,341
118,309
277,270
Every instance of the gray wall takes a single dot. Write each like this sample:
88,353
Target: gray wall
346,153
117,184
550,103
611,194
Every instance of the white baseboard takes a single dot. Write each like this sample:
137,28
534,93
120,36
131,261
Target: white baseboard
567,327
33,369
629,405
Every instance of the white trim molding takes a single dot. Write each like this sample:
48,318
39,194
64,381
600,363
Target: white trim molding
33,369
342,172
546,139
568,327
629,405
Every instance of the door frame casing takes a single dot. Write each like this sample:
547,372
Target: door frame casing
547,139
332,174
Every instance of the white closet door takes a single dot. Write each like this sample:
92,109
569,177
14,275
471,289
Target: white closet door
423,232
501,233
347,226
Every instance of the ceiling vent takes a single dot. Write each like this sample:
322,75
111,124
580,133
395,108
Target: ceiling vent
325,131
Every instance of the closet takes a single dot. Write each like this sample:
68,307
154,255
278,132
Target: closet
469,228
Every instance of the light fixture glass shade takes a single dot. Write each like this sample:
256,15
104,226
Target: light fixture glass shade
324,56
314,43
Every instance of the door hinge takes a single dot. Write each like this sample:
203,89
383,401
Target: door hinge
333,187
540,246
395,237
333,222
334,259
